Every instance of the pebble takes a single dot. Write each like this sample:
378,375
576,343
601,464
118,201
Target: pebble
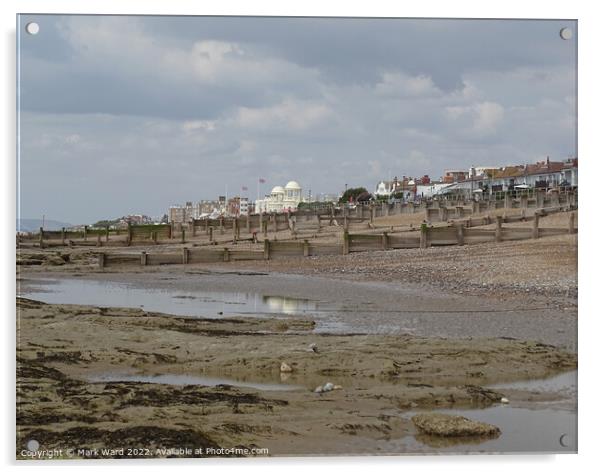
504,400
284,367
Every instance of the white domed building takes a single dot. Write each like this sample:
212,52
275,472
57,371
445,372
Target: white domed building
281,199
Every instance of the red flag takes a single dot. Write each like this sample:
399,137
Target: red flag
261,180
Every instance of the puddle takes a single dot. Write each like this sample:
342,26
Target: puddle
171,379
565,383
523,431
207,304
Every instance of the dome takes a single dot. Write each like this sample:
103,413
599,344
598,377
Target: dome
277,190
292,185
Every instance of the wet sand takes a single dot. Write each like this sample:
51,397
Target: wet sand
61,347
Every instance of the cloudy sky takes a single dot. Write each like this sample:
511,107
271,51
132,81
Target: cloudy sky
133,114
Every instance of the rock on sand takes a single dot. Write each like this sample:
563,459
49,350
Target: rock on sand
284,367
439,424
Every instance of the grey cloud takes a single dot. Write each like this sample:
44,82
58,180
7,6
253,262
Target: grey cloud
188,106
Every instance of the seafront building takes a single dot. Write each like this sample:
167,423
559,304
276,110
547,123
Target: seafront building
281,199
480,180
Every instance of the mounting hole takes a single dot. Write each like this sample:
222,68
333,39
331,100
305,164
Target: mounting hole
566,33
33,445
32,28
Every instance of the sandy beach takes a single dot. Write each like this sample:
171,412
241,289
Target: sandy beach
391,330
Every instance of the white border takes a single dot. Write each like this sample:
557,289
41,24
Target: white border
590,81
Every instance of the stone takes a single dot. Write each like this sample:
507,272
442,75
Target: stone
440,424
284,367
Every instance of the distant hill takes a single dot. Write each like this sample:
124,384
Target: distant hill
33,225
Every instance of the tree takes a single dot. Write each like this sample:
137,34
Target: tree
352,193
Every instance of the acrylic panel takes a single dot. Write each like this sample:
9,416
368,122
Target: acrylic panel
279,236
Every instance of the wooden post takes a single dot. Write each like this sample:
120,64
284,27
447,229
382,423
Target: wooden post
41,237
536,225
460,233
424,236
345,222
264,226
234,229
221,225
154,237
443,214
372,214
385,241
193,228
98,244
183,236
524,201
143,259
129,234
106,233
475,207
498,228
63,236
572,223
345,242
185,255
211,234
266,248
306,248
85,232
226,254
102,260
206,225
248,223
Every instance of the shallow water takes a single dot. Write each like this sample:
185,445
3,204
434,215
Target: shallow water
205,304
523,431
565,383
172,379
337,306
536,429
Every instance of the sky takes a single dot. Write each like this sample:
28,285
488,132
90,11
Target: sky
133,114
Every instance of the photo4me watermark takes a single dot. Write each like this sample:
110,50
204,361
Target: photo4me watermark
33,451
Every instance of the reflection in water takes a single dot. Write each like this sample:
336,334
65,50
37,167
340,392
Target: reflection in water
281,304
522,431
451,441
208,304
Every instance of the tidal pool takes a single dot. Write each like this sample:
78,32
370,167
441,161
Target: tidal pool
206,304
183,379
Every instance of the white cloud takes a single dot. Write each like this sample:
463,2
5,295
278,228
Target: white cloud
488,116
290,114
398,84
199,125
